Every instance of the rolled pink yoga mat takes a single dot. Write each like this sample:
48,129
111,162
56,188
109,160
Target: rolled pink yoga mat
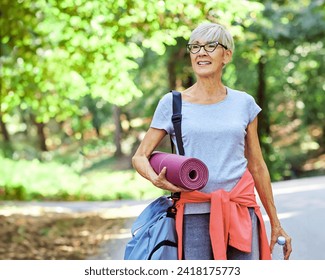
185,172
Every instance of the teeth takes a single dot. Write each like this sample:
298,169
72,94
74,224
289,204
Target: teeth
204,62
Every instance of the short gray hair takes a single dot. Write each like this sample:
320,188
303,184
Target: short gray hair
210,32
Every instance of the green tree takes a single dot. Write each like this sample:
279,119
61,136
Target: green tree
285,30
56,52
61,60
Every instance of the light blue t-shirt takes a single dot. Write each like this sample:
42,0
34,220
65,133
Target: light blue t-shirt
214,133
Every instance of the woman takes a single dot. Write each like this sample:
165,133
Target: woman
219,127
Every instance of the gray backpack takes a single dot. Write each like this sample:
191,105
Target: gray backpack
153,233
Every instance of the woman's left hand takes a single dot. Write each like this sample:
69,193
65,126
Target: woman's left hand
275,233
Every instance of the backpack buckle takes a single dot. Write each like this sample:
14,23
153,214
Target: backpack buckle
176,118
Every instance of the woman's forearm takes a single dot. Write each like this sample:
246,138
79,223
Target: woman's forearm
264,189
142,166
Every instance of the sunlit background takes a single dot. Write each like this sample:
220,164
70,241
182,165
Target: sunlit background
80,81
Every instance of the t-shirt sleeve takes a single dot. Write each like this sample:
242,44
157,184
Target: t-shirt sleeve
162,116
253,108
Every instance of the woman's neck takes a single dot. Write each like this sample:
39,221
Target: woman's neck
205,91
209,87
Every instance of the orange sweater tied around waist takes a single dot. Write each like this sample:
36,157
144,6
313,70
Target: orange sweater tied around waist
230,222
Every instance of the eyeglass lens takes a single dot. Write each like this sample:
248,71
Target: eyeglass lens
209,47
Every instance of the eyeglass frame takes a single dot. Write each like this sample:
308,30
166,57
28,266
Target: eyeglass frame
203,46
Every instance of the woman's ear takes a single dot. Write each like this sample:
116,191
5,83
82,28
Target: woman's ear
227,56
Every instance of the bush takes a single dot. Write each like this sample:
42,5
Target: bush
35,180
25,180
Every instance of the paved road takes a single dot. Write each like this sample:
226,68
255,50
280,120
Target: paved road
300,204
301,209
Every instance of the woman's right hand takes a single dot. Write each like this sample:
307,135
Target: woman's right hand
161,182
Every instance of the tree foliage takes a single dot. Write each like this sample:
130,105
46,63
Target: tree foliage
62,61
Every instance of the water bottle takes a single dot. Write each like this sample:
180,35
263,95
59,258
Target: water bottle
278,249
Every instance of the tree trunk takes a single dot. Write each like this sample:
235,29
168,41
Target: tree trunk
41,134
189,81
96,124
118,130
322,139
175,57
172,71
264,122
4,130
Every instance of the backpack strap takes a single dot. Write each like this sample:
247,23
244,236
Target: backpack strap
177,121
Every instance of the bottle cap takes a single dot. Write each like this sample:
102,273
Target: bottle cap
281,240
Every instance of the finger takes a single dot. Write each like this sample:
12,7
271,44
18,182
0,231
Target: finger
165,184
288,250
271,246
272,243
175,189
162,173
287,247
171,187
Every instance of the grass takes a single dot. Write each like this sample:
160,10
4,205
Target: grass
124,184
35,180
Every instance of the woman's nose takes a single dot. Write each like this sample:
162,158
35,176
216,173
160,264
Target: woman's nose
202,51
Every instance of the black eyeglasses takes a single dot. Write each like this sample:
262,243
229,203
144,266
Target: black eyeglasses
209,47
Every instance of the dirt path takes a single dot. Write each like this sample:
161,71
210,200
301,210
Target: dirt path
63,231
54,236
